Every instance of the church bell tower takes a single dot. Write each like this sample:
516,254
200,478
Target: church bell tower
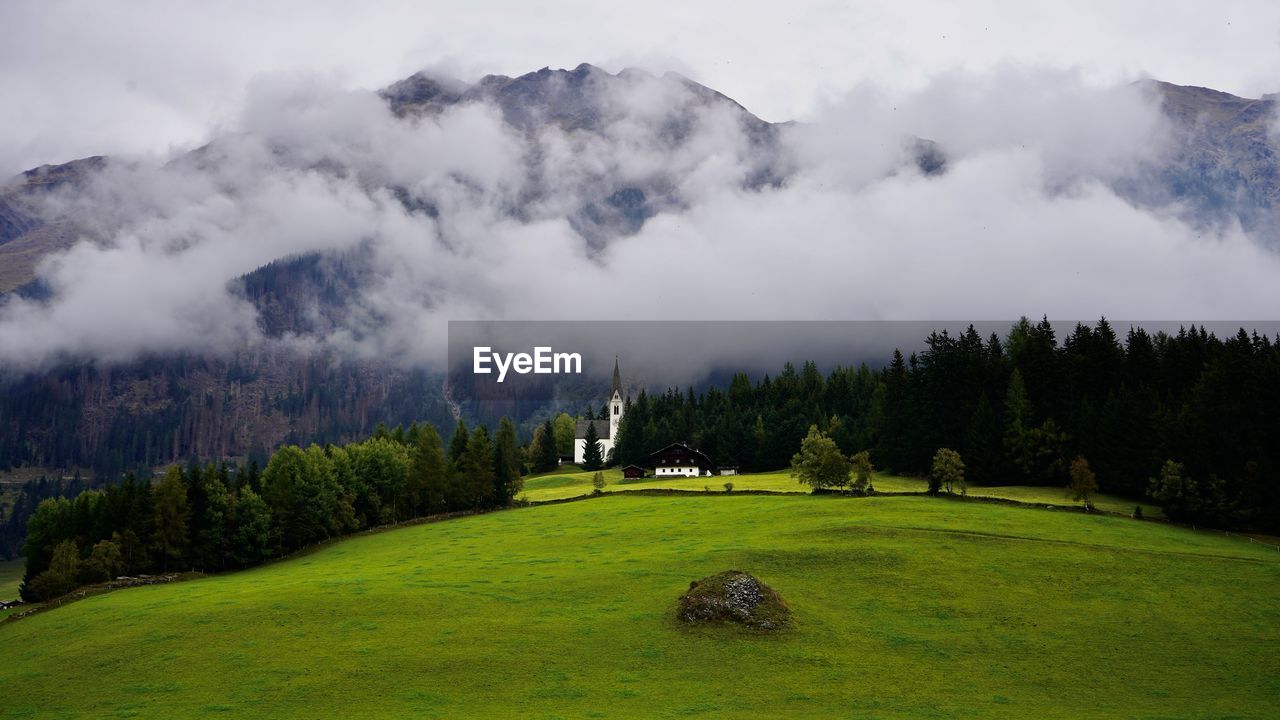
616,407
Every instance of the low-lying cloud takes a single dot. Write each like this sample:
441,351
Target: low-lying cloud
459,215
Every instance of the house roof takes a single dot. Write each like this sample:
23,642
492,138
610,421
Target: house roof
580,429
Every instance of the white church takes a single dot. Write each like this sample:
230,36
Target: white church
606,428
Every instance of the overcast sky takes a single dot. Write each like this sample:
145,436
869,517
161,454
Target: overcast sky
79,78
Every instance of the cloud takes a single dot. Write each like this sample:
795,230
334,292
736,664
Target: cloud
460,216
79,77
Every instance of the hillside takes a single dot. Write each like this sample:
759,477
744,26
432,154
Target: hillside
101,416
904,607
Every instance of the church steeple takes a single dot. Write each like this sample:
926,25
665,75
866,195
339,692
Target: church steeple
616,404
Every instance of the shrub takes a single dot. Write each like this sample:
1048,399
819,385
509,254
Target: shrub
48,585
728,487
1137,512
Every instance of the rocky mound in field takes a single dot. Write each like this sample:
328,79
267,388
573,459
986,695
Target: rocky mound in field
734,596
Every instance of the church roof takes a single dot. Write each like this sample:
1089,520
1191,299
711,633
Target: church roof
617,378
580,429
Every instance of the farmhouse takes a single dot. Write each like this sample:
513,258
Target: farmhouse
679,460
606,428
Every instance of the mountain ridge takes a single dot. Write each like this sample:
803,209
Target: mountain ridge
1224,163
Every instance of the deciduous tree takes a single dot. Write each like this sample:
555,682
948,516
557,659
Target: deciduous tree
862,470
947,472
1083,482
820,464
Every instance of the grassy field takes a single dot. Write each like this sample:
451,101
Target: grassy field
571,481
11,577
904,607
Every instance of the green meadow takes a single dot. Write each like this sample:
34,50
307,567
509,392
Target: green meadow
904,607
571,481
10,578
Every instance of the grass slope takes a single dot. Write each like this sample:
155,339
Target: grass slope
11,577
570,481
904,607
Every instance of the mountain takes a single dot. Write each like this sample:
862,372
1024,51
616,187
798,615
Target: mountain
1221,164
1223,161
1221,167
578,99
26,235
592,101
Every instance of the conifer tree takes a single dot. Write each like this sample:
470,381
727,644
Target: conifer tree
1017,423
212,537
506,463
894,421
458,443
592,458
546,456
475,470
170,518
428,472
982,443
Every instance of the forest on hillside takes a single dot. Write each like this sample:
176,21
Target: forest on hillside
219,516
1018,409
104,419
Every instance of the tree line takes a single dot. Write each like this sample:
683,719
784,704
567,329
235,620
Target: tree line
22,504
219,516
1187,419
